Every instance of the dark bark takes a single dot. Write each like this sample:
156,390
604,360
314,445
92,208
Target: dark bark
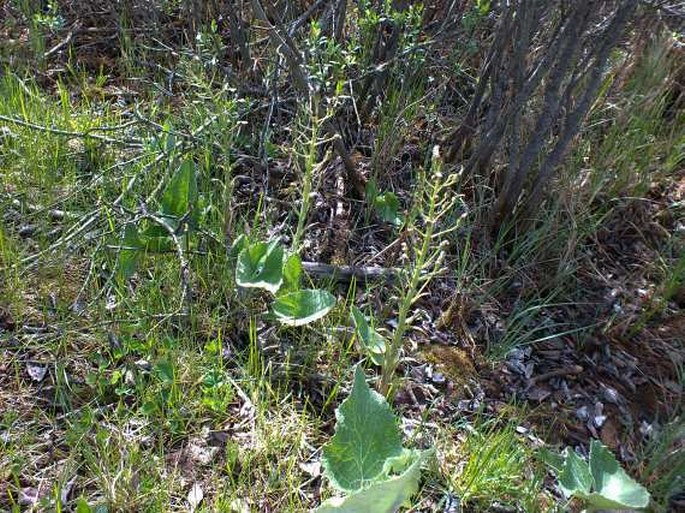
542,73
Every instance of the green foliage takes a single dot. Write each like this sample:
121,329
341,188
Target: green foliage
665,457
260,265
179,200
303,306
373,342
387,207
575,475
365,457
240,243
600,482
292,273
179,206
82,506
433,201
495,465
383,496
129,254
483,7
265,266
359,449
180,196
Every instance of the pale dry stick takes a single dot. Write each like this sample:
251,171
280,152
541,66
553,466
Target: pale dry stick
348,273
32,259
295,26
88,134
75,27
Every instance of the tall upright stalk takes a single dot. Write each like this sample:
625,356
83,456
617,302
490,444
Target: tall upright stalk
434,200
309,166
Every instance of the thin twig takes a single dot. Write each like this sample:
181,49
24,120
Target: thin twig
88,134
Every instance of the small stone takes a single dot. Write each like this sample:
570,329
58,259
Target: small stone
36,372
599,420
610,394
438,378
582,413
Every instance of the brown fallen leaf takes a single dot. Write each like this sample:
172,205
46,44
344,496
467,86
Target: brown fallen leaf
609,434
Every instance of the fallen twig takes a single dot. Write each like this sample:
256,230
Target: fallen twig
88,134
347,273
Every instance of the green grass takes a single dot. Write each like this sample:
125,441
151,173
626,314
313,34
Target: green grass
140,403
492,464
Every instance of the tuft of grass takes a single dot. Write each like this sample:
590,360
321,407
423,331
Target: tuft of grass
492,464
663,463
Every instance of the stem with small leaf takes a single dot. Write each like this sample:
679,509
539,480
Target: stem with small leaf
427,262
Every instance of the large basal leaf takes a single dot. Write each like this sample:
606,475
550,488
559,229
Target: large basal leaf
575,477
614,489
302,307
260,266
180,196
384,496
373,342
366,436
552,459
129,254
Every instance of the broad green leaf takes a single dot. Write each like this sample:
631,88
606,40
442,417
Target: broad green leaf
292,272
384,496
303,306
260,266
129,255
180,196
575,476
552,459
82,506
366,436
373,342
614,489
165,372
387,206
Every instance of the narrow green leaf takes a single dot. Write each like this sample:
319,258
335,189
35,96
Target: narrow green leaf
303,306
180,195
366,436
614,489
260,266
372,341
382,496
